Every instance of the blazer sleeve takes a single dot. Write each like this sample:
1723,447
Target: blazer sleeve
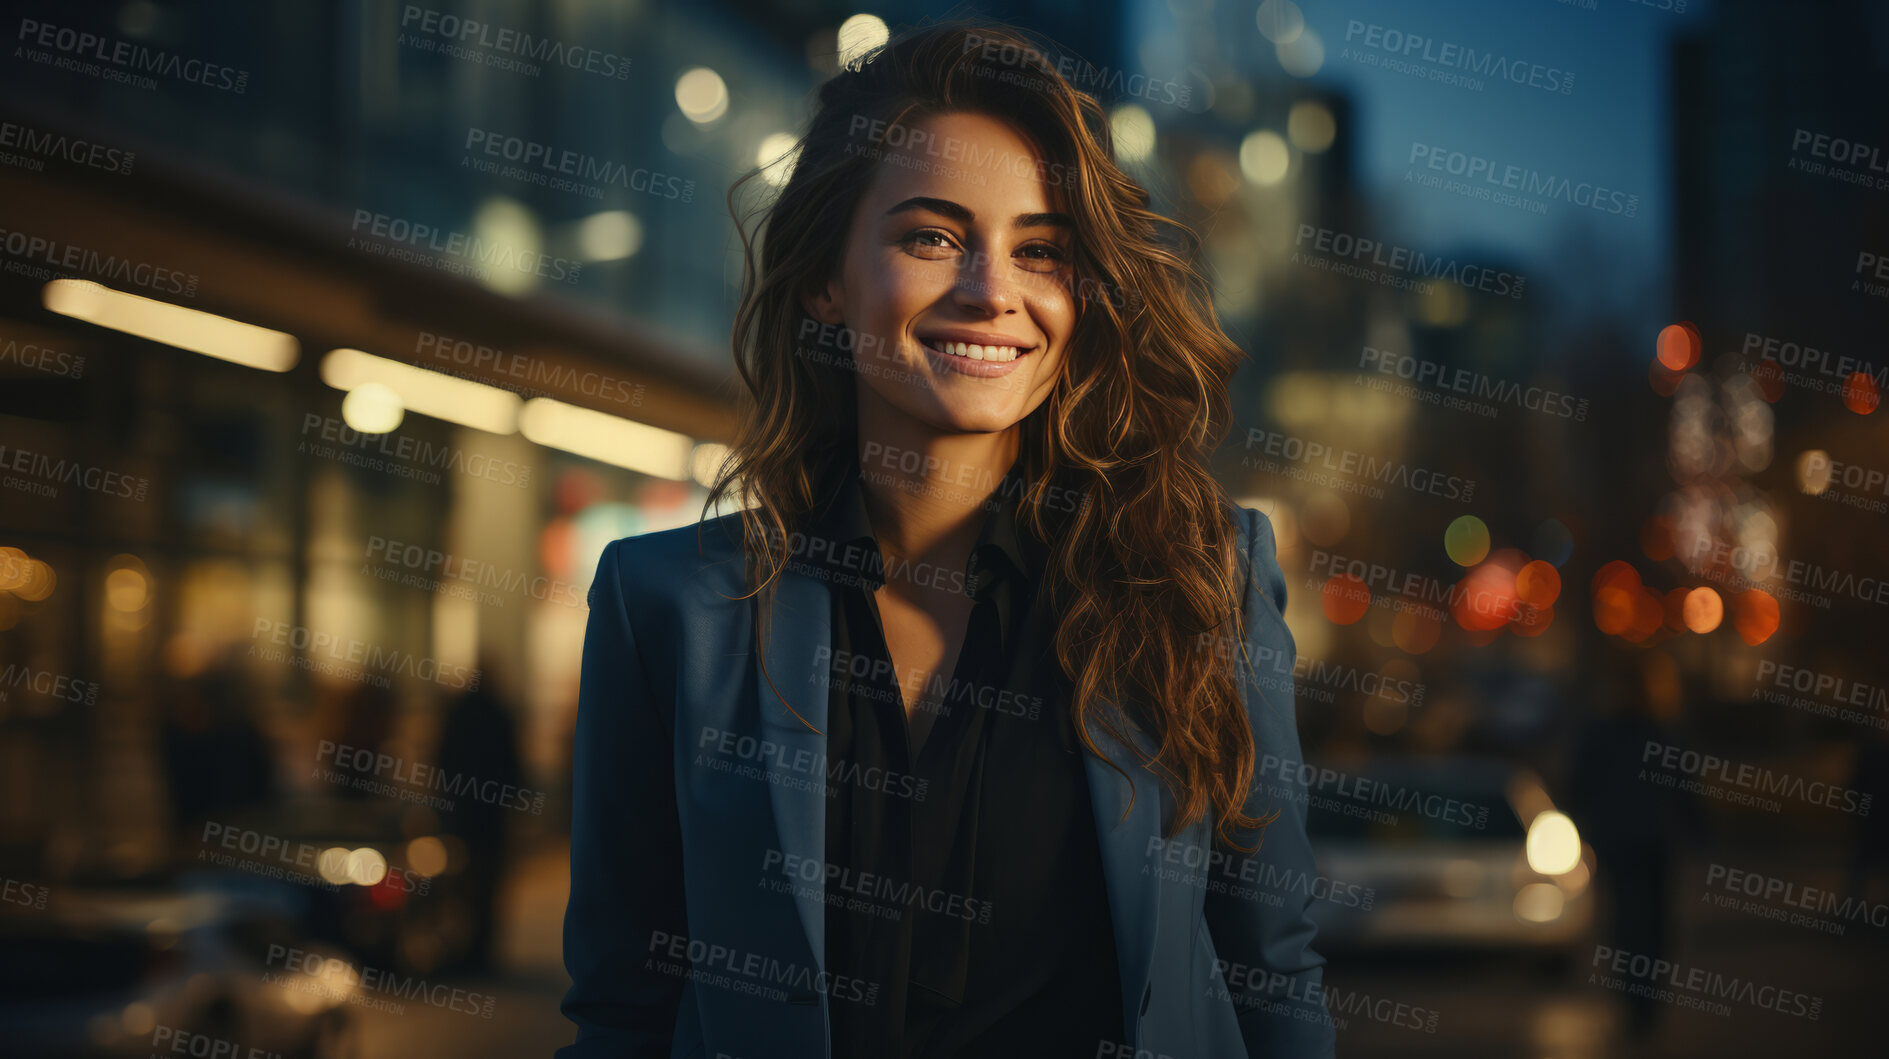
626,843
1275,978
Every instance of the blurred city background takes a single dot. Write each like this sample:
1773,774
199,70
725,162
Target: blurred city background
1566,324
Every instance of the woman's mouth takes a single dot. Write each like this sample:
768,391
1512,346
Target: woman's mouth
978,360
972,351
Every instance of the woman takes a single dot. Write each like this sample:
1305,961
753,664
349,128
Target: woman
946,743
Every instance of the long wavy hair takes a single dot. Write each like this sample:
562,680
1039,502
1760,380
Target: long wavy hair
1141,574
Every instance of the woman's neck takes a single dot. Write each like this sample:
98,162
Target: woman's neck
928,493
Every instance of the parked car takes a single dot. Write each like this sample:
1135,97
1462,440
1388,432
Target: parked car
1452,853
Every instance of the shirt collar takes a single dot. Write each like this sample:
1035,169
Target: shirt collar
842,540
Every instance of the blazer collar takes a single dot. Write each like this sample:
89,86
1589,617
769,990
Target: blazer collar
1128,812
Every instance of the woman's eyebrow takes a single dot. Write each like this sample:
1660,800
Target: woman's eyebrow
947,208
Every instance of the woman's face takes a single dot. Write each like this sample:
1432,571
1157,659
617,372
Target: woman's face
955,254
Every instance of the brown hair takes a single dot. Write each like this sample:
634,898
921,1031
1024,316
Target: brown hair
1141,574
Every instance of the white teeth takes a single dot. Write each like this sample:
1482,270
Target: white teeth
976,352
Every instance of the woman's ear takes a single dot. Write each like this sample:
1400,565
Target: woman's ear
825,304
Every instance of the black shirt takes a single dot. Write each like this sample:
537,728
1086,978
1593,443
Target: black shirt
968,885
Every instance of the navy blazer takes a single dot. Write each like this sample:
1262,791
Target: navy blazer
693,785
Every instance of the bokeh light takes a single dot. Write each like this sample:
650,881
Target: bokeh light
1703,610
1346,598
1466,540
1538,584
1754,615
1554,845
701,94
1416,631
1678,347
1813,471
1860,394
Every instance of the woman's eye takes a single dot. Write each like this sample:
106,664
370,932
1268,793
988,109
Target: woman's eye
1042,257
929,242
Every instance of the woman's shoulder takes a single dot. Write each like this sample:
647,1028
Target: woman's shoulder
665,562
1257,548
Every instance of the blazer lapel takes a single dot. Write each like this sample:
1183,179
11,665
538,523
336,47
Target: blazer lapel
1133,895
799,634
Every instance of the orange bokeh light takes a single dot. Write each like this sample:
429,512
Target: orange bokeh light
1613,609
1678,346
1754,615
1673,608
1860,394
1416,631
1703,610
1485,598
1617,574
1538,584
1649,612
1347,598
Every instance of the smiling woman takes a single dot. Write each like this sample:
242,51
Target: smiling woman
917,753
